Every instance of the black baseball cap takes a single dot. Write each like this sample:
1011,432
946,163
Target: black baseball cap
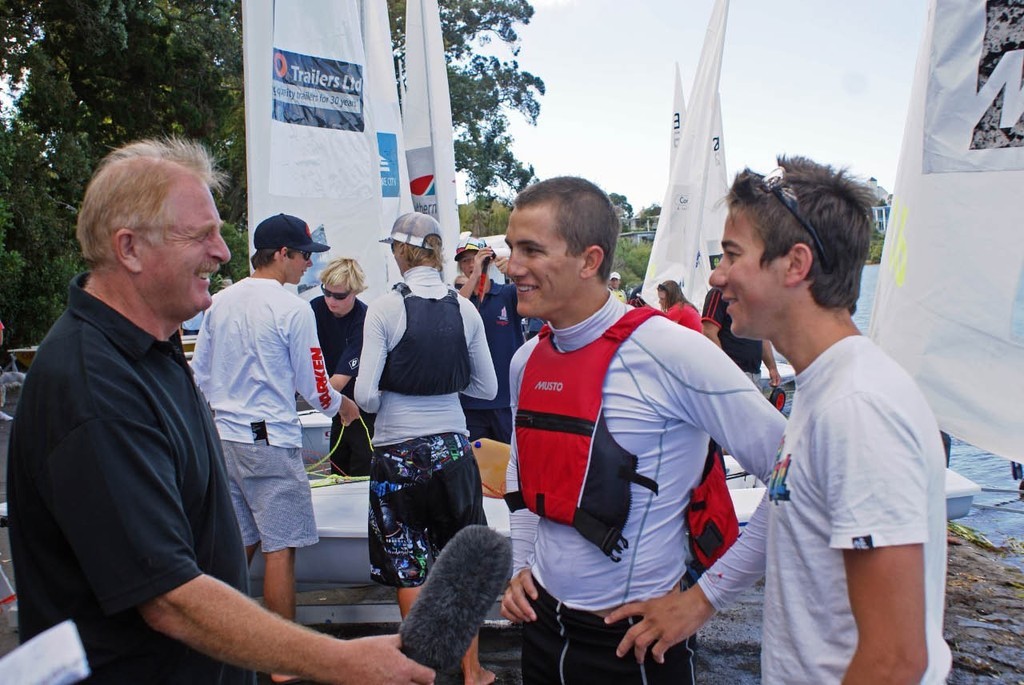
284,230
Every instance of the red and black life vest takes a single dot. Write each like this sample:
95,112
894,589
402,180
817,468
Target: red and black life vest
571,469
710,516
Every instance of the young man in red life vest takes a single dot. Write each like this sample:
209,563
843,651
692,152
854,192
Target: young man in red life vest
614,407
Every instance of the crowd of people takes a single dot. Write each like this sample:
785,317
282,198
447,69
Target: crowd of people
140,499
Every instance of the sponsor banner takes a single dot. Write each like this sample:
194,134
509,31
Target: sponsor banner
975,97
313,91
387,149
422,181
329,177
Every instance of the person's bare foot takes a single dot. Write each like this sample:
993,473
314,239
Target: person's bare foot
281,679
481,677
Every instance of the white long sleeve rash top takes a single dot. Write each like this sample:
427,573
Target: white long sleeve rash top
257,347
404,417
667,389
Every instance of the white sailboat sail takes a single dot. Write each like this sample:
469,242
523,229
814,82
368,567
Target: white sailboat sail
692,215
311,142
950,299
678,117
427,112
385,114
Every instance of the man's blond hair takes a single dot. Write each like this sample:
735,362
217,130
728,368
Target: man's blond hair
129,190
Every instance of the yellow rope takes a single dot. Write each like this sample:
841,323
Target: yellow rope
321,462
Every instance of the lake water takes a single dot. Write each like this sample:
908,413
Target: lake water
982,467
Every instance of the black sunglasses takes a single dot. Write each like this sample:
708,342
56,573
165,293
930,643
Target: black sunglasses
305,255
336,296
775,183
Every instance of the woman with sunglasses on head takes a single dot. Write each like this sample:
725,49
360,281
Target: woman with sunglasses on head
339,325
677,307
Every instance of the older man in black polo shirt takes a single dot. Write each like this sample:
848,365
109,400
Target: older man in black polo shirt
121,518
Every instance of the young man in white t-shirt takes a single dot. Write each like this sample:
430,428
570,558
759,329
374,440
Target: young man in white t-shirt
854,553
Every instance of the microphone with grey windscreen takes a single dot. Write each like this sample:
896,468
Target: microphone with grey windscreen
462,585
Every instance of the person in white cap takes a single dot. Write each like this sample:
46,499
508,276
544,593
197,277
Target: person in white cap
614,280
257,346
422,346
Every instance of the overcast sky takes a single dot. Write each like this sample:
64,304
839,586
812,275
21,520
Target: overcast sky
829,79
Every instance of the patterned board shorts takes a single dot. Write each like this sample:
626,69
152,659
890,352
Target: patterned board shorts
422,492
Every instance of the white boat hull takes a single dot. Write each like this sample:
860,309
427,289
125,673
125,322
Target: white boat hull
341,558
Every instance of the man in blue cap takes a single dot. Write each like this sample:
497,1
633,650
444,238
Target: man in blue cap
497,305
256,348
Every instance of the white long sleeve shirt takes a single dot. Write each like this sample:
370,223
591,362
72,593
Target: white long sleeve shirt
404,417
256,348
667,389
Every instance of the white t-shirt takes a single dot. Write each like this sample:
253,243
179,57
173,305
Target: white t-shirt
861,465
666,390
404,417
256,347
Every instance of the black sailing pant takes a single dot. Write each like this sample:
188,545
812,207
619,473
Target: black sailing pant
571,647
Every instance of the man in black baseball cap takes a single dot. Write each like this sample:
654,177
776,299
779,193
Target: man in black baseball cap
285,230
256,348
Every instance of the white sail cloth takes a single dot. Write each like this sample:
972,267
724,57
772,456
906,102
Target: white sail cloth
323,137
688,240
950,299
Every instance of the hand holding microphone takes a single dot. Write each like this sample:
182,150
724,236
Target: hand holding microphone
462,585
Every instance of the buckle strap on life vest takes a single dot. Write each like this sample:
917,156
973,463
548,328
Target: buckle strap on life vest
632,476
608,539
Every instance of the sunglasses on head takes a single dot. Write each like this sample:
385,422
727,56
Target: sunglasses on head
775,183
332,295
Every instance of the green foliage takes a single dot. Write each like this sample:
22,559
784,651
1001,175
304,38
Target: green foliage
483,89
623,209
484,217
39,254
93,75
875,247
237,239
630,261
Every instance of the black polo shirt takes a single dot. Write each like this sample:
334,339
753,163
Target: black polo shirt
341,339
117,494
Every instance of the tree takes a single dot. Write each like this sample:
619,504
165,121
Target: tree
483,88
630,261
92,75
484,217
623,209
647,219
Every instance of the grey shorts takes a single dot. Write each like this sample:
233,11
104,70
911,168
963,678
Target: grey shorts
270,492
